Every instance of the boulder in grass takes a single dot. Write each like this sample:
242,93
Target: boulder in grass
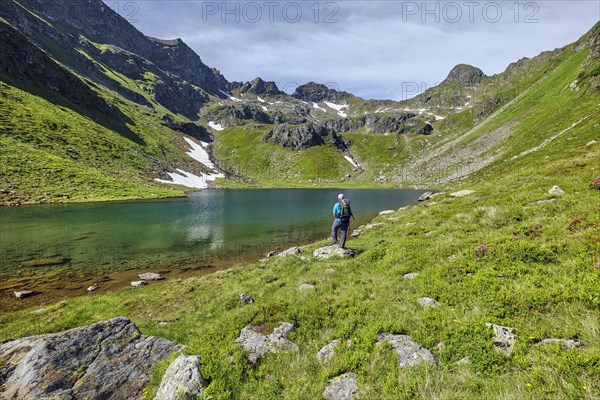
555,190
182,380
290,252
138,283
327,351
258,344
342,387
109,359
324,253
428,302
569,344
409,352
504,337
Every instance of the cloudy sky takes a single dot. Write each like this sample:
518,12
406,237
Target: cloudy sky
374,49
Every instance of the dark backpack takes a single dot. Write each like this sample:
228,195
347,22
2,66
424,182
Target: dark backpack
346,212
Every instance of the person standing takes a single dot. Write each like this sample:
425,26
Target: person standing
341,215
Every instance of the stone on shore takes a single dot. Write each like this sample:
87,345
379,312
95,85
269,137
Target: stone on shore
151,276
384,212
356,233
425,196
291,252
409,352
182,380
91,289
324,253
342,387
258,345
22,294
138,283
109,359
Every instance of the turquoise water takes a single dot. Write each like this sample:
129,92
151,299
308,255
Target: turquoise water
206,225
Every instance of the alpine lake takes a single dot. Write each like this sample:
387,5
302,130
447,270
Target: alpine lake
59,250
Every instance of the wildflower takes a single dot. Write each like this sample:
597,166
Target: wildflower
597,265
528,385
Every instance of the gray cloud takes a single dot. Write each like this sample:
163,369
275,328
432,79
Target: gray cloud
374,48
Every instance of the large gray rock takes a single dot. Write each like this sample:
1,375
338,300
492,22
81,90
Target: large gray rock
342,387
409,352
504,337
257,345
324,253
182,380
106,360
425,196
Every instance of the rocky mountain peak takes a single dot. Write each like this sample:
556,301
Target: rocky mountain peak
317,92
257,86
465,75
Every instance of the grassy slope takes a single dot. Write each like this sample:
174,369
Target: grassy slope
49,152
538,276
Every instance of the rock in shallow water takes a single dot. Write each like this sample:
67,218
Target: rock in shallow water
107,360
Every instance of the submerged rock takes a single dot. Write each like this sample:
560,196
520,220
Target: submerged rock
182,380
409,352
342,387
109,359
258,345
324,253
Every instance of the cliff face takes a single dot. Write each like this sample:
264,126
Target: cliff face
87,35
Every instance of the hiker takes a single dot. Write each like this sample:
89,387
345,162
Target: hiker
341,214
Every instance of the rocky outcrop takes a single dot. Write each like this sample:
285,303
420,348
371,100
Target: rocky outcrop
327,252
409,352
465,75
303,136
182,380
106,360
189,128
258,344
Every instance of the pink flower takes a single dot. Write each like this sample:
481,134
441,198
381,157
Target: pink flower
597,265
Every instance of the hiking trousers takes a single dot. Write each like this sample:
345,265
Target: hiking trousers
343,225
